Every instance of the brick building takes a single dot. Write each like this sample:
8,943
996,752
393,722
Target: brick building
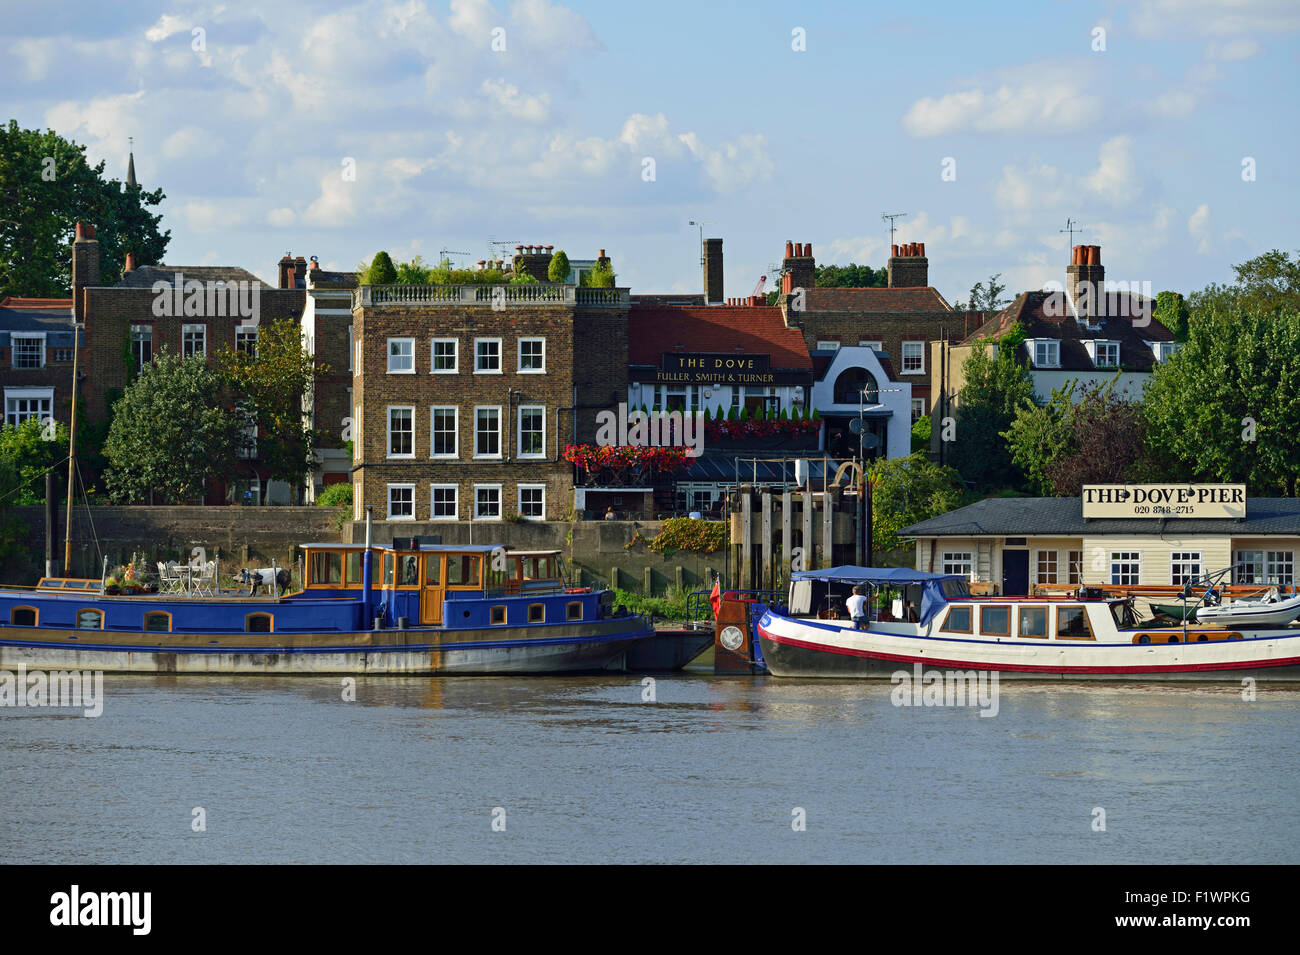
327,335
36,358
464,397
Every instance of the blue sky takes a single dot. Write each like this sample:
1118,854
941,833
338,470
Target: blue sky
1143,142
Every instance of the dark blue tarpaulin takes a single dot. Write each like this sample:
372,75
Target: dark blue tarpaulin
933,598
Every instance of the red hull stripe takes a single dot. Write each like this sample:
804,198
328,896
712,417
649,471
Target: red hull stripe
1026,667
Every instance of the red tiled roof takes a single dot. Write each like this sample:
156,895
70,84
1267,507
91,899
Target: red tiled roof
655,329
920,299
11,301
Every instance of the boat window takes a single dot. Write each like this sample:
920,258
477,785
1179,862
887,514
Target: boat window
463,570
537,568
22,617
158,621
1072,624
1033,622
954,589
958,620
408,570
326,567
389,559
498,614
90,620
996,620
432,570
537,613
354,567
258,623
497,580
573,610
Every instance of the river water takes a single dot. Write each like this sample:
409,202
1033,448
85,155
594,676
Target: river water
586,769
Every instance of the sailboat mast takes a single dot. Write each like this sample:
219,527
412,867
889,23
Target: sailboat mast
72,452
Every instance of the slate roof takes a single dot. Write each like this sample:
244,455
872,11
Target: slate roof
35,314
147,275
1063,517
1029,309
320,278
923,299
755,329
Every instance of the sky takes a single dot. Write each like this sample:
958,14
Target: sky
1166,128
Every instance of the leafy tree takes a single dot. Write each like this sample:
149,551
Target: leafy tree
171,433
851,276
270,384
985,298
601,276
1224,407
907,490
381,271
1038,434
27,453
46,185
921,434
559,268
1172,312
336,495
520,277
1268,282
997,383
414,272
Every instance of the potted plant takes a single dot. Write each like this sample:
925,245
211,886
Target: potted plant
112,585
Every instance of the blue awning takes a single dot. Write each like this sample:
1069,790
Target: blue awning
933,598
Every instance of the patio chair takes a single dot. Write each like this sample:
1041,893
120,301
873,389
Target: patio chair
205,579
168,580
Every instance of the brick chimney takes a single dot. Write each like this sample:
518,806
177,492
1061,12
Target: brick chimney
908,266
287,272
799,268
85,267
712,271
130,263
532,259
1085,281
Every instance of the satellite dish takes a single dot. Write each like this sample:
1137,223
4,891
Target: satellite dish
855,425
870,441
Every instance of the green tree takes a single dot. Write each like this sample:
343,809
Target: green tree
28,450
1171,311
985,297
46,186
1038,434
907,490
601,276
1224,407
559,268
921,434
1268,282
172,433
414,272
997,383
269,385
381,271
851,276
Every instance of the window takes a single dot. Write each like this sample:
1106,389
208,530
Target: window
498,615
356,363
1125,568
958,620
432,570
246,339
352,343
532,501
353,568
532,431
1074,558
487,502
408,570
194,340
532,355
356,435
1184,566
1047,567
537,613
22,617
827,345
918,409
1033,622
1163,350
487,356
401,432
401,502
326,567
142,345
1072,624
443,431
90,620
248,444
959,562
445,357
443,502
1279,567
24,403
1047,354
401,356
1107,355
913,358
259,623
573,610
487,432
876,346
1248,567
28,351
157,621
60,355
462,570
995,620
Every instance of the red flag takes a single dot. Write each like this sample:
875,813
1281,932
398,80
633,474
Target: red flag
715,598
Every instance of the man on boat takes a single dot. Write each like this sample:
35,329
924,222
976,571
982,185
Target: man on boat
857,608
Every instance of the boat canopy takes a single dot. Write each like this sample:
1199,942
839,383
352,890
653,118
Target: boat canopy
936,589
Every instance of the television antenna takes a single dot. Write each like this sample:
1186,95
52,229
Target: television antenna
1071,227
890,217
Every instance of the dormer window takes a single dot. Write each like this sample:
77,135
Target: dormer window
1163,350
1104,354
1046,352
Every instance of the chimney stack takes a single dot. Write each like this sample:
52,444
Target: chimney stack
800,269
908,267
130,263
712,271
1085,281
85,267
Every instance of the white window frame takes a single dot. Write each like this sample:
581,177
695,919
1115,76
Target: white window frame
959,558
388,416
455,502
357,503
1125,558
1051,345
1255,558
401,487
873,344
487,487
1179,562
1073,567
38,338
1279,567
500,368
455,356
356,433
519,500
388,352
824,344
519,349
356,363
243,333
918,412
1098,347
499,452
455,431
351,346
43,395
920,351
140,329
519,433
189,329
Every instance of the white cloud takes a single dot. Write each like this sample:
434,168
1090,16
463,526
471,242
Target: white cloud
166,26
1115,177
512,102
1231,51
1044,103
281,217
1198,227
190,141
1160,18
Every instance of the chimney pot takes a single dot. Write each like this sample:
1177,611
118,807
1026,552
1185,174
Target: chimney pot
600,253
893,251
789,249
922,248
130,262
807,250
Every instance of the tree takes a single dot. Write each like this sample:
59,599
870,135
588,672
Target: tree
46,186
1268,282
907,490
414,272
985,298
1105,443
601,275
1172,312
559,268
1038,434
851,276
28,450
1224,407
270,384
997,383
172,432
921,434
381,271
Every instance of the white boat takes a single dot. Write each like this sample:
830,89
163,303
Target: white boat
1271,610
1080,637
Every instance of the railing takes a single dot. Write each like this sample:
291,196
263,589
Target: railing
498,296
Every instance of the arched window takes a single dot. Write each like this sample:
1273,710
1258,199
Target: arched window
158,621
851,383
22,617
259,623
90,619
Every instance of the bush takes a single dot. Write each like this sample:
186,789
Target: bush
689,534
336,495
381,270
558,270
671,606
